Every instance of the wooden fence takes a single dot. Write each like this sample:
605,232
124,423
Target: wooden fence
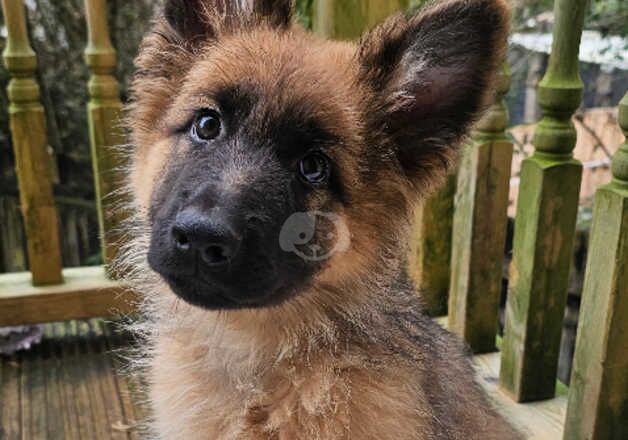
49,292
460,232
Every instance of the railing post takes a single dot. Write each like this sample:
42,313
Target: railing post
348,19
479,227
103,112
28,129
545,222
598,392
430,256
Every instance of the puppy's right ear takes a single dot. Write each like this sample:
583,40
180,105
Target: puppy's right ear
189,19
198,20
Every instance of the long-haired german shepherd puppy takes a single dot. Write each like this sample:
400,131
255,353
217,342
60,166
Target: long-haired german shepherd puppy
274,174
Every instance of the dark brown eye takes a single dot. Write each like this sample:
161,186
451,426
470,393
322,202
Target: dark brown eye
206,126
314,168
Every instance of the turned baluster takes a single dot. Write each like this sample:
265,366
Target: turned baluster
598,392
105,133
32,159
545,222
479,227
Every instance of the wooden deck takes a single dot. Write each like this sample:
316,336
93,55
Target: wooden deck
71,386
543,420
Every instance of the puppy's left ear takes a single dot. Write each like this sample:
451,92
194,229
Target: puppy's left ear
429,76
197,21
277,13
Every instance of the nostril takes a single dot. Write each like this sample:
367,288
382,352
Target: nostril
216,254
181,239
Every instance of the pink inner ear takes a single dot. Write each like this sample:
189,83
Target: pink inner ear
428,89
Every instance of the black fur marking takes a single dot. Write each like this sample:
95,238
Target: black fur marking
261,274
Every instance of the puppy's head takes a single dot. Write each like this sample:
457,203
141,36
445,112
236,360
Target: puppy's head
267,160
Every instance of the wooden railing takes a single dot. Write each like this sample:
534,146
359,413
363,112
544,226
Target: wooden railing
465,224
50,293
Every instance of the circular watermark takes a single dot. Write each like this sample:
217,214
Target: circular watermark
299,235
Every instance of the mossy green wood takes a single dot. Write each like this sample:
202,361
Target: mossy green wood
598,393
104,111
545,222
33,162
348,19
430,255
479,227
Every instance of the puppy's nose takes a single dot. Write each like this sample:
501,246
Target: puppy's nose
208,234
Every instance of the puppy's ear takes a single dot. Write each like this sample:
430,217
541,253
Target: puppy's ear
277,13
196,20
429,76
189,18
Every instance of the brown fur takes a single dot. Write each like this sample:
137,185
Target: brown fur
351,356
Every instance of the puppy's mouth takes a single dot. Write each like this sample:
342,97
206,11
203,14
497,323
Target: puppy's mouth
195,292
213,296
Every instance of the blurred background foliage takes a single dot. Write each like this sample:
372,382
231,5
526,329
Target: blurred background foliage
610,17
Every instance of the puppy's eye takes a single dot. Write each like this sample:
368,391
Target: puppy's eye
206,126
314,168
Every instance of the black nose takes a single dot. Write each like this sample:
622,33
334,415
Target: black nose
209,234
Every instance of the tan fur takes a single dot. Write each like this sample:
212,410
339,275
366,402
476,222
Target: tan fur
341,359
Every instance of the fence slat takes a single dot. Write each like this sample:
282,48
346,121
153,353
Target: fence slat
103,112
33,162
430,257
479,227
545,222
348,19
598,393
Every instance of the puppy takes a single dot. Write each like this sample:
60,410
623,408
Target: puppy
273,174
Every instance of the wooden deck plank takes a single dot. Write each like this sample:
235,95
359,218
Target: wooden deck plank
56,416
11,411
133,414
26,373
118,427
66,390
67,387
93,372
36,396
542,420
78,370
86,293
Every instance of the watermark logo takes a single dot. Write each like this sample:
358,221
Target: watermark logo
299,235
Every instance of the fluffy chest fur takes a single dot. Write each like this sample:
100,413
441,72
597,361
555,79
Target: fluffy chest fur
386,373
319,387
